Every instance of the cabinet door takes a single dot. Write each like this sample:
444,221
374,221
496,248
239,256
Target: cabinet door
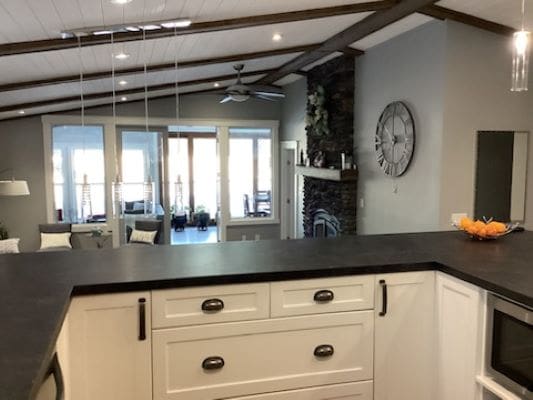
404,336
459,311
110,347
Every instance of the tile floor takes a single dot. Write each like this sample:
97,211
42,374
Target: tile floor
192,235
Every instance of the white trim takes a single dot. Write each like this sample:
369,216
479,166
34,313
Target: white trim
284,226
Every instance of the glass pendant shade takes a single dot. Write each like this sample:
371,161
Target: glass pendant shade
178,186
118,198
86,206
521,49
148,189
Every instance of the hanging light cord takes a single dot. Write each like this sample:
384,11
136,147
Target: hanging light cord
145,82
523,13
81,83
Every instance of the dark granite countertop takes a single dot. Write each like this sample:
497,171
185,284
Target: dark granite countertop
35,288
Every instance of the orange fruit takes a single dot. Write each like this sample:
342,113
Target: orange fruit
465,223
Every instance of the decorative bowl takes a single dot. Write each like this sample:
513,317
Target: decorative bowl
485,230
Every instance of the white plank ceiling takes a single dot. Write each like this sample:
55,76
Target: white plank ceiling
29,20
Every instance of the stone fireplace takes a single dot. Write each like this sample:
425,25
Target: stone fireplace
330,193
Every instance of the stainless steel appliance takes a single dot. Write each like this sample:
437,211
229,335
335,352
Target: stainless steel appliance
510,345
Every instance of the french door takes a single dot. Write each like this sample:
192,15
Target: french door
144,173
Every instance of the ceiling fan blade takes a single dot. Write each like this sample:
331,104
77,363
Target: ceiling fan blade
269,94
226,99
263,97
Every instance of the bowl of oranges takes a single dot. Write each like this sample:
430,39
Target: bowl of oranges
484,230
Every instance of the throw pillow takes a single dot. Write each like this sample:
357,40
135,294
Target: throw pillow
53,240
147,237
9,246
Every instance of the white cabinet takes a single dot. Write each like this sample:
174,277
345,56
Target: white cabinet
404,336
459,327
345,391
109,340
228,360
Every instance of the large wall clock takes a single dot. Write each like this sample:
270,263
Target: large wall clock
395,139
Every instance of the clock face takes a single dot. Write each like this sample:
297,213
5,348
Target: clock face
395,139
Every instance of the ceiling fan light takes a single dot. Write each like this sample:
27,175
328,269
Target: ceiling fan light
239,98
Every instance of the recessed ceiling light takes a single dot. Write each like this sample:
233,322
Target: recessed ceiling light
123,98
21,112
182,23
121,2
99,33
122,56
150,27
277,37
216,84
122,83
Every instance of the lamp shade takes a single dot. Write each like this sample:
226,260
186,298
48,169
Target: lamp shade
14,188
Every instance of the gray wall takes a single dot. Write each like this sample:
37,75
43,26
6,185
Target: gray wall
409,68
21,148
292,127
477,97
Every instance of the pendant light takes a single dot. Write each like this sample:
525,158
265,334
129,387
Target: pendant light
521,48
86,203
117,185
148,184
178,185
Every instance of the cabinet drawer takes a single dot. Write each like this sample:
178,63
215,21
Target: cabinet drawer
314,296
262,356
211,304
344,391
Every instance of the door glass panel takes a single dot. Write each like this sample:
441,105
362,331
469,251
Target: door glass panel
205,175
250,172
141,165
78,154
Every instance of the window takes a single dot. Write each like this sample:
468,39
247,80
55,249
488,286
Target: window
178,167
78,154
250,172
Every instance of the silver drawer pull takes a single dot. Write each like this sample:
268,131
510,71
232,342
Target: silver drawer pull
213,363
324,350
323,296
212,305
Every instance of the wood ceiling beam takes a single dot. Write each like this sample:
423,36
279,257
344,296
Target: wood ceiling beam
196,27
157,67
126,92
372,23
443,13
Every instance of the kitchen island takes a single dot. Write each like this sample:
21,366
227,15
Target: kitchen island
36,288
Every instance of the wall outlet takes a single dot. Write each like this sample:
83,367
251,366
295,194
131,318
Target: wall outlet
361,202
456,217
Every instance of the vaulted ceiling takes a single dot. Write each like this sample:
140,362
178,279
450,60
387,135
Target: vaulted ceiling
40,72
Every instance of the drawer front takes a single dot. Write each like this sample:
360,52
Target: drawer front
211,304
262,356
344,391
315,296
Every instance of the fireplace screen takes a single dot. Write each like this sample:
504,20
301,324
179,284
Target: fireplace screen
325,224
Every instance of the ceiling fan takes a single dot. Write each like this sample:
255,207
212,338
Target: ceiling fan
240,92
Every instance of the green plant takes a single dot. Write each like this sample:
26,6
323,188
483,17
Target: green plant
317,115
200,209
4,234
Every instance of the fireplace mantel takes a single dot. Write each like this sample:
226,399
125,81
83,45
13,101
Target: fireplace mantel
339,175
